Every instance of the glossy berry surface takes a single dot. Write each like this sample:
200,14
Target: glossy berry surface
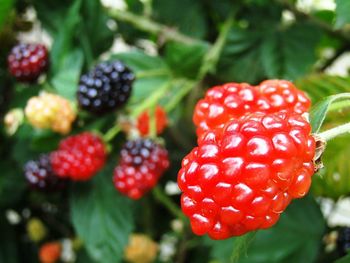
79,157
26,62
50,111
142,162
242,178
143,121
40,176
232,100
343,241
106,88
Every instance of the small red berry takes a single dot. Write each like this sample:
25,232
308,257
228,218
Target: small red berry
79,157
232,100
243,177
142,162
143,121
40,176
50,252
26,62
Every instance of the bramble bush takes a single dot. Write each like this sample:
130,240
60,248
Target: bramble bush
130,132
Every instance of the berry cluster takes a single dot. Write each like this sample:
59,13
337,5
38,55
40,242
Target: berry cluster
79,157
40,176
232,100
105,88
143,121
255,154
50,111
142,162
26,62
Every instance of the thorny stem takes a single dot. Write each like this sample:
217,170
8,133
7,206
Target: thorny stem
164,199
334,132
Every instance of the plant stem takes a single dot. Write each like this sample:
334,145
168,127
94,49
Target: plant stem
334,132
212,57
150,26
317,22
111,133
173,208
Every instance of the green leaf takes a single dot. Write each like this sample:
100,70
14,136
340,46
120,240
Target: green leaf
151,73
65,81
241,245
345,259
190,20
319,111
273,52
342,13
64,42
185,60
5,8
101,217
295,238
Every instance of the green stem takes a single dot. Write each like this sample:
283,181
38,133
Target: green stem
334,132
186,88
212,57
150,26
111,133
152,100
173,208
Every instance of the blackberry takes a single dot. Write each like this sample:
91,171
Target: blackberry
106,88
343,241
40,176
26,62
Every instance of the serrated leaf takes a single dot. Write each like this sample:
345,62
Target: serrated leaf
101,217
65,81
319,111
294,239
185,60
342,13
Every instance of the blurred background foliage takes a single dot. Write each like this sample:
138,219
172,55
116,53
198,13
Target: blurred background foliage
168,44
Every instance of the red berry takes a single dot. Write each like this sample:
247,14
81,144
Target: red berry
79,157
50,252
142,162
26,62
40,176
232,100
243,177
143,121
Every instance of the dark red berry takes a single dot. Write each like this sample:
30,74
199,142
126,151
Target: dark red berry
232,100
243,177
79,157
142,162
40,176
106,88
26,62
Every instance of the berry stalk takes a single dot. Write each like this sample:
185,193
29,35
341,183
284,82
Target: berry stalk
334,132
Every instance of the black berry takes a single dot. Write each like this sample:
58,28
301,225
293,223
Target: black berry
106,88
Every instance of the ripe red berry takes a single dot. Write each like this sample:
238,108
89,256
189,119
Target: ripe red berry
26,62
40,176
232,100
79,157
142,162
143,121
50,252
244,178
